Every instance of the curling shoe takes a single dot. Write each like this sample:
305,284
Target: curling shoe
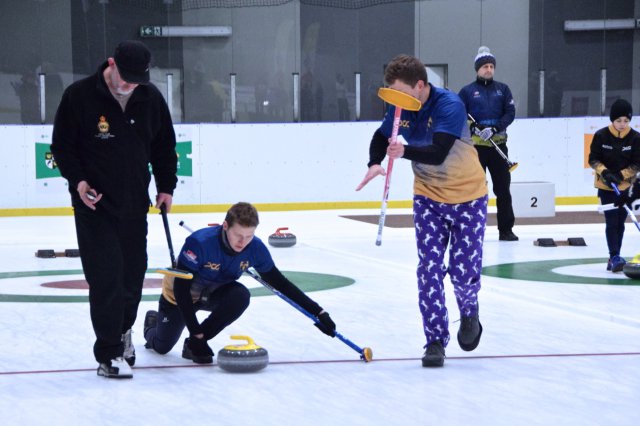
115,369
508,236
617,263
198,359
433,355
129,353
609,265
150,321
469,333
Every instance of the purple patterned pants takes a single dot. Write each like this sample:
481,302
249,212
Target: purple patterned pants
460,227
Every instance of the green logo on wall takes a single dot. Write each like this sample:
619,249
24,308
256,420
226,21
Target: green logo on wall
185,164
46,166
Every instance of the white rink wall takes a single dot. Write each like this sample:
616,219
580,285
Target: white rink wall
291,163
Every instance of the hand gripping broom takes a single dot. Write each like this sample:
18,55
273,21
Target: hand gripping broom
400,101
172,271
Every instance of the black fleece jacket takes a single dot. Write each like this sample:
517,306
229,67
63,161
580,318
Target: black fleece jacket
96,141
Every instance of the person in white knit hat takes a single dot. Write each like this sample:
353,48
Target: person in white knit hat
491,105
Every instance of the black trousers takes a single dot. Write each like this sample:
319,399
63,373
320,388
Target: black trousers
614,222
114,260
226,305
501,179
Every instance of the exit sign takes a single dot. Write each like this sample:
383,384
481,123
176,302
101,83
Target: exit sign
150,31
184,31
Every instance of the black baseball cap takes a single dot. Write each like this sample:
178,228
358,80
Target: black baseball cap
132,58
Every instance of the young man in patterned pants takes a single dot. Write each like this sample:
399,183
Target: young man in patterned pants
449,204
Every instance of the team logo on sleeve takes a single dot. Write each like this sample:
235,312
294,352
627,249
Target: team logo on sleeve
191,256
244,265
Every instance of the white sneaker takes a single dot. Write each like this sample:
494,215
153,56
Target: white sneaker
129,353
116,369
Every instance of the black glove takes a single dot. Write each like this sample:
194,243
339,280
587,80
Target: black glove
475,130
199,347
628,197
326,324
609,177
622,199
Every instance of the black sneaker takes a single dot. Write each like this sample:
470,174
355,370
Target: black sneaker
433,355
617,263
469,333
129,353
508,236
150,321
115,369
198,359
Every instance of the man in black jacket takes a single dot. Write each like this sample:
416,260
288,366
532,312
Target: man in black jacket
108,128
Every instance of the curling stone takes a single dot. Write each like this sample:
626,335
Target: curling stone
245,358
632,268
282,239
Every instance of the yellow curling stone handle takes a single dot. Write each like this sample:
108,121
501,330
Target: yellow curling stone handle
250,345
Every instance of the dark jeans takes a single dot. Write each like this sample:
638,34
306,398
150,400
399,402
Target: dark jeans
114,260
614,222
501,179
226,304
